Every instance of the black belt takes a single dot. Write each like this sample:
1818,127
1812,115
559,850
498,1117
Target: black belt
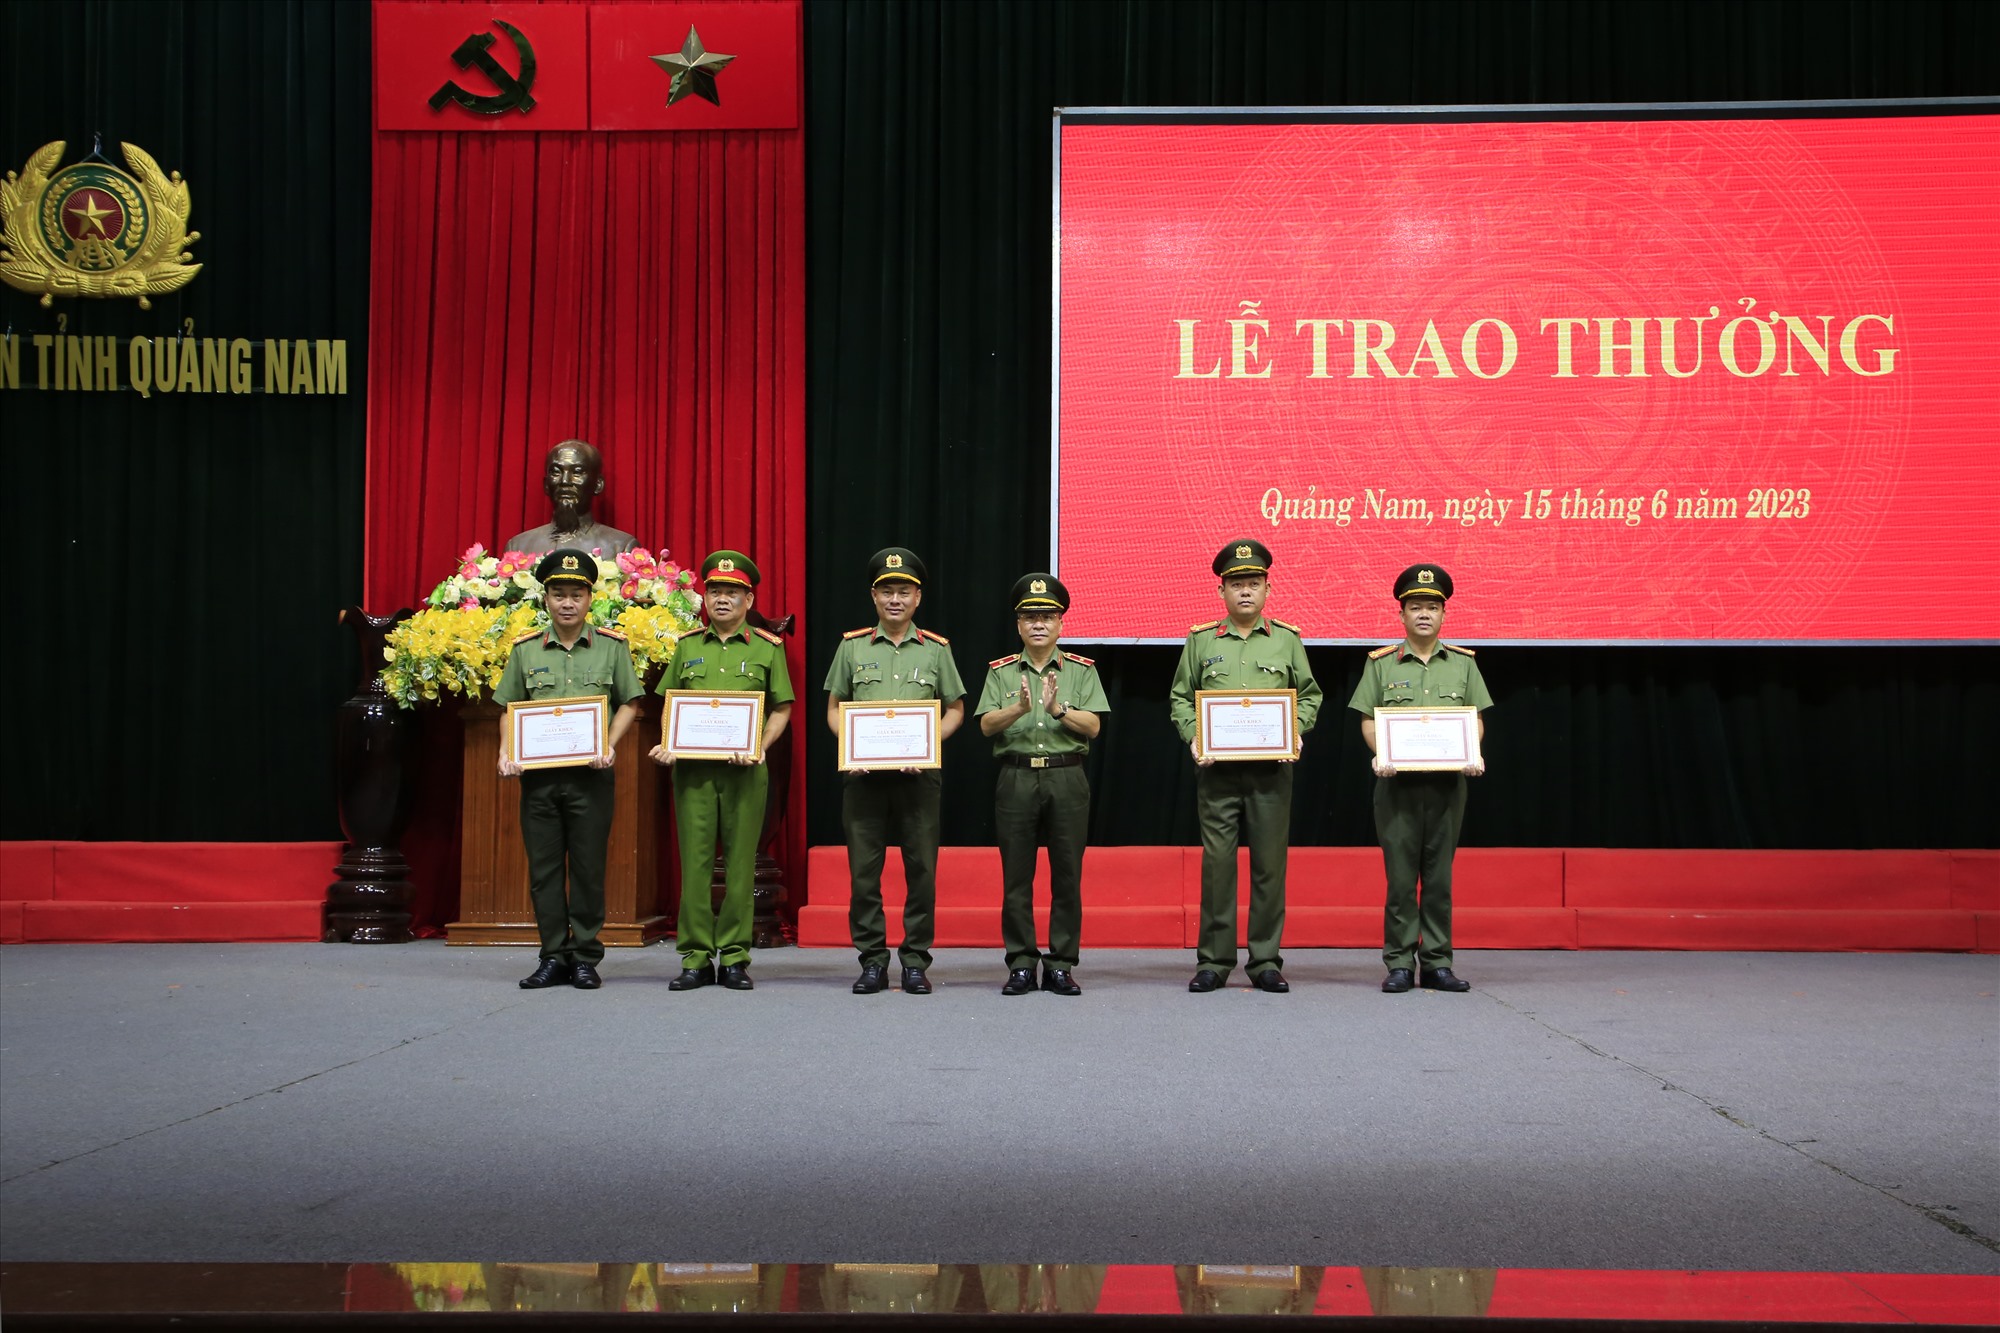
1070,760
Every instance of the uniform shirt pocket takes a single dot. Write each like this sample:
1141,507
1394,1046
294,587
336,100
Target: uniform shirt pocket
693,674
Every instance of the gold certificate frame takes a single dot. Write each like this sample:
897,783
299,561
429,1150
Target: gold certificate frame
1246,724
556,733
896,734
713,724
1427,740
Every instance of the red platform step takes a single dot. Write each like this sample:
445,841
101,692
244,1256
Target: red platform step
1503,898
77,892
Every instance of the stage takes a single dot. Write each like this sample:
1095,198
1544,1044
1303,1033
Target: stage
324,1103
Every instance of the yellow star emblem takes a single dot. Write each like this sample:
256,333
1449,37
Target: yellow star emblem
91,214
694,69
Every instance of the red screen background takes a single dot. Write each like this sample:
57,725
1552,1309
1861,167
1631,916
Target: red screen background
1720,505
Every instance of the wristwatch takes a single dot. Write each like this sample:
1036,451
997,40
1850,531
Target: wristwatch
1059,716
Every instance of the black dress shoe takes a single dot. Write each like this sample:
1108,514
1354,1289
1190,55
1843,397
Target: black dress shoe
737,977
584,977
1060,981
1272,980
692,978
1019,981
873,978
552,972
1442,979
1205,981
915,982
1398,981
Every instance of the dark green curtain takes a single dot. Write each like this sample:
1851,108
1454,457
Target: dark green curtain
929,192
178,564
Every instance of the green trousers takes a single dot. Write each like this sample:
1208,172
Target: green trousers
1032,807
1251,802
718,811
1041,1288
1417,816
881,810
566,827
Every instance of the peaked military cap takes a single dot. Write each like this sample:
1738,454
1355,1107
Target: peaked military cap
1040,592
731,567
1246,556
895,562
567,563
1423,581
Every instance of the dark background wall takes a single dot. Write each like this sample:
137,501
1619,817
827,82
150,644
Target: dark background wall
929,188
183,553
177,564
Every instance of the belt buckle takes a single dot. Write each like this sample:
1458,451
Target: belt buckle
1038,761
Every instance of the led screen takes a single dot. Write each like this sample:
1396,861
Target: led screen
1714,377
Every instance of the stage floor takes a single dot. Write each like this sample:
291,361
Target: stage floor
327,1103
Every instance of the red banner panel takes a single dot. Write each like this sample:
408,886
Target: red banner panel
1670,380
526,67
758,89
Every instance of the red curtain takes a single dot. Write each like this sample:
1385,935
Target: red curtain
642,291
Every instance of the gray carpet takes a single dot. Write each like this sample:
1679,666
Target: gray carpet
1606,1110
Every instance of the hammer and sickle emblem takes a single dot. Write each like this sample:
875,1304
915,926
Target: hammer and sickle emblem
513,92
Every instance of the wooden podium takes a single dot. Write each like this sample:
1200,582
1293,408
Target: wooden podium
493,905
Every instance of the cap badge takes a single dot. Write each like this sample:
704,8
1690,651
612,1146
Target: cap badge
1243,551
725,566
893,562
1425,576
569,563
1038,587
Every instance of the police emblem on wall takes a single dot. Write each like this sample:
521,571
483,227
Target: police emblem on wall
90,229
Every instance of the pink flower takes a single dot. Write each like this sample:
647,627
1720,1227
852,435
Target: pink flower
631,586
469,604
626,563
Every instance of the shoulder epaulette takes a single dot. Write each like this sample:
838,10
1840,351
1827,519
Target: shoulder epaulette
999,662
1455,648
857,633
934,637
1286,624
609,633
1196,629
1079,659
1384,651
531,634
769,637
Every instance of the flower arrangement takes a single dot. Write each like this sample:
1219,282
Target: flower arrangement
458,644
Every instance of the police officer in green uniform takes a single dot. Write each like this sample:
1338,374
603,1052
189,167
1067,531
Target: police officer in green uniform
1417,815
1042,707
719,803
566,812
893,660
1250,800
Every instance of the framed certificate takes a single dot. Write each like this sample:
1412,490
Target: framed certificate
1247,724
898,734
556,733
713,724
1427,740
